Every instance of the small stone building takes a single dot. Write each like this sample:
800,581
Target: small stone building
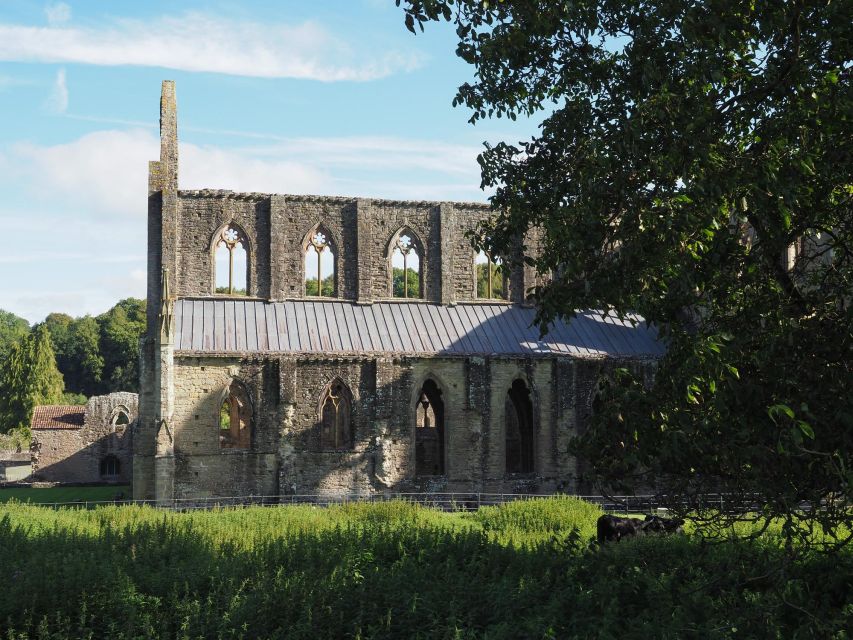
85,444
14,466
320,344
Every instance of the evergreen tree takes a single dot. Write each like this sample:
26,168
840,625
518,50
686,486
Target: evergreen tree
12,328
30,378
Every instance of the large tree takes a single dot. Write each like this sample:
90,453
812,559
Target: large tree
693,165
28,378
12,329
120,330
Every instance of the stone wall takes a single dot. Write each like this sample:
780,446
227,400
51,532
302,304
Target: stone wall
286,456
361,232
75,455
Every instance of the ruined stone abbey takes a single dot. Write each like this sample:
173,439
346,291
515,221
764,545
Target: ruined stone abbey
310,344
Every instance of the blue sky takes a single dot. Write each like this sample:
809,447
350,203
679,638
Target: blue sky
331,97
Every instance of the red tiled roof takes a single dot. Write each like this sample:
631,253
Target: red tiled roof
55,416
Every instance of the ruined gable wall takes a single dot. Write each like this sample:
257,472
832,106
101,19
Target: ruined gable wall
276,227
75,455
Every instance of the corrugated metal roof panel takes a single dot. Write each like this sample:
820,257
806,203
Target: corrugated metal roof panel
400,328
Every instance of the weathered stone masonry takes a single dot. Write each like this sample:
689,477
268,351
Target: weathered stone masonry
305,365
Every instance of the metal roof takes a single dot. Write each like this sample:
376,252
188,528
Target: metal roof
226,326
56,416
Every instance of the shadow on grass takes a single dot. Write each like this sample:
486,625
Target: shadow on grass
131,572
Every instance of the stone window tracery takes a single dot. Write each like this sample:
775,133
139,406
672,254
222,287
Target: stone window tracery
406,256
231,259
491,280
518,409
120,418
429,431
320,268
235,418
336,417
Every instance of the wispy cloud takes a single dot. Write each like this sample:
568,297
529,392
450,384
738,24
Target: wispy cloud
57,13
105,172
79,208
207,43
57,101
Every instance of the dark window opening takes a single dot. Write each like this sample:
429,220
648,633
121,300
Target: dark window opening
335,417
110,467
429,432
519,429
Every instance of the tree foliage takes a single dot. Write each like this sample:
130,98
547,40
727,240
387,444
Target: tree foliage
412,280
120,330
99,354
12,328
328,286
693,165
29,378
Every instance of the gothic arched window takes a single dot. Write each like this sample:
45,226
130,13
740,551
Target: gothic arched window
235,418
336,416
120,418
491,281
231,250
320,264
519,429
429,431
406,254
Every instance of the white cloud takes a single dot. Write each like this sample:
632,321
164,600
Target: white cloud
77,210
103,172
57,13
206,43
57,102
106,172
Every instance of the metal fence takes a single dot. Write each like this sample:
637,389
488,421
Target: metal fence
459,501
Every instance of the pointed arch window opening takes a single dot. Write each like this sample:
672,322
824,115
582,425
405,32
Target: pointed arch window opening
519,435
320,259
235,418
405,267
491,279
120,419
336,417
231,253
429,431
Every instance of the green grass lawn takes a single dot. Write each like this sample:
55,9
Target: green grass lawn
63,494
396,570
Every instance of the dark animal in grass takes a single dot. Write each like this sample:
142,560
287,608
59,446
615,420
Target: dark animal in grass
613,528
663,526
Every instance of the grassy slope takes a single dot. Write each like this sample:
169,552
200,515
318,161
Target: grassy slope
392,570
63,494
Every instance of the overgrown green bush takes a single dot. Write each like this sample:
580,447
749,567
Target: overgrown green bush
396,570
